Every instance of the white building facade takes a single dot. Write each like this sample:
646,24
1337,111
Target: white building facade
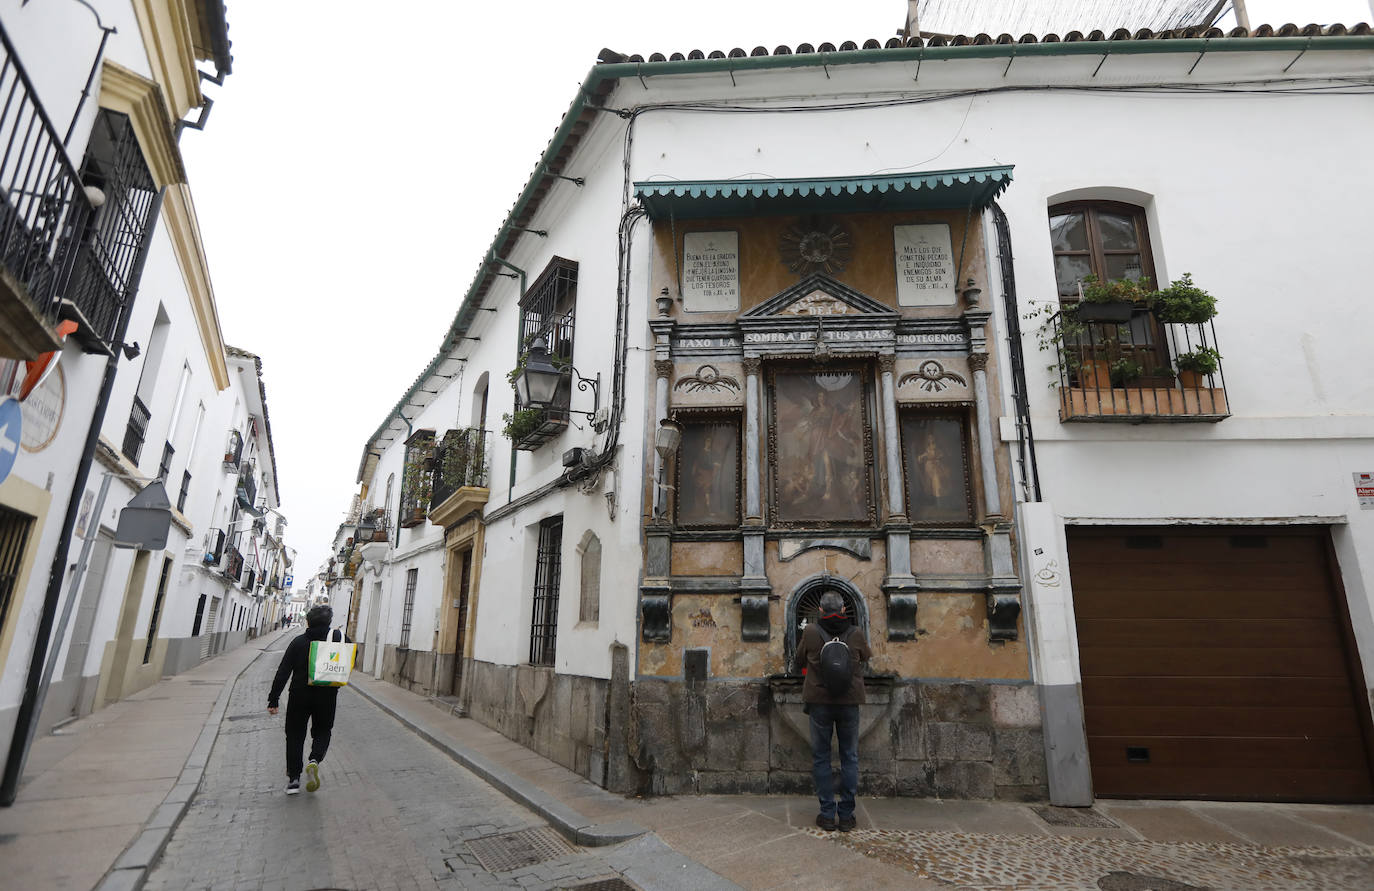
1119,579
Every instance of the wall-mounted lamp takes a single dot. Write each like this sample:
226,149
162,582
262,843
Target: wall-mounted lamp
130,350
95,195
667,437
538,382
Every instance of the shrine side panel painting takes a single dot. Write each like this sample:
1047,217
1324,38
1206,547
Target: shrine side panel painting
708,474
935,454
821,447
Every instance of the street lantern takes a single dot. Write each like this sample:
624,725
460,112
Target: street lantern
539,379
667,437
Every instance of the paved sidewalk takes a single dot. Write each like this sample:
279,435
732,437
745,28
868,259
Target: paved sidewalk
765,841
100,797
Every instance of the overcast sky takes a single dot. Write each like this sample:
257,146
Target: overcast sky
361,157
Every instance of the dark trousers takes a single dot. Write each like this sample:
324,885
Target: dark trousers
315,706
841,721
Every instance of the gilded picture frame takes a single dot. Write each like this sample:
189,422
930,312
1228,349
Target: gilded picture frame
935,463
820,446
708,468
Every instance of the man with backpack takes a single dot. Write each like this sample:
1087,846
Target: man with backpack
831,654
308,703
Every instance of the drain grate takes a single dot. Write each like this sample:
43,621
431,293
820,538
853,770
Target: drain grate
1076,817
615,884
503,853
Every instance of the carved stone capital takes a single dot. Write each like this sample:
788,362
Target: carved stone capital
978,361
887,364
663,367
752,365
1004,607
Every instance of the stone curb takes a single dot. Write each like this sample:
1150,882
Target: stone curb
568,822
130,871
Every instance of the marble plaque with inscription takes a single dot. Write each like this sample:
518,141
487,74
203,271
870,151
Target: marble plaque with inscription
710,271
925,265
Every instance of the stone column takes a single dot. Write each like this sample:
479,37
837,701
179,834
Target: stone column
664,371
892,452
753,509
992,502
754,587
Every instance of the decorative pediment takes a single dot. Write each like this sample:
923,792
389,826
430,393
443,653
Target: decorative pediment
819,295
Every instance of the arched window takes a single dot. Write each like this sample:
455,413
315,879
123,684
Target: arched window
1105,238
1111,240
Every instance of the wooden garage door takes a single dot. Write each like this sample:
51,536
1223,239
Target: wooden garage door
1215,665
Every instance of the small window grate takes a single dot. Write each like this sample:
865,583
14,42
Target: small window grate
412,580
548,569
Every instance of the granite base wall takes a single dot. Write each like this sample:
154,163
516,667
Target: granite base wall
925,739
411,669
562,717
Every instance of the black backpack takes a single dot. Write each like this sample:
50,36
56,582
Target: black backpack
836,669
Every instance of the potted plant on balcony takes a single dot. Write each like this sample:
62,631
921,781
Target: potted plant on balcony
521,424
1193,366
1112,301
1123,372
1184,303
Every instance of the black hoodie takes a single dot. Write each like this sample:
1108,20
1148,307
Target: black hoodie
295,664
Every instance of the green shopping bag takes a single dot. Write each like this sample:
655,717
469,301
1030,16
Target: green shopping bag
331,661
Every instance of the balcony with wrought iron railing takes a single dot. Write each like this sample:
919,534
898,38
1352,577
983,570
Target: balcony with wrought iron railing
1141,369
247,486
233,451
44,212
417,479
233,563
214,547
462,471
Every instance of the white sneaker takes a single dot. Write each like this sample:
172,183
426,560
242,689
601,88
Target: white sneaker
293,787
312,773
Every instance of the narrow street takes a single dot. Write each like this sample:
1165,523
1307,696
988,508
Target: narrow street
392,812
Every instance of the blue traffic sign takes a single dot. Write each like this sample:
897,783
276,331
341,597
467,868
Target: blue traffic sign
11,423
286,582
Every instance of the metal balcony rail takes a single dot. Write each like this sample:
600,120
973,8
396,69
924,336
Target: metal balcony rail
43,206
417,481
373,526
214,547
1139,370
247,487
463,458
233,564
136,430
105,265
233,451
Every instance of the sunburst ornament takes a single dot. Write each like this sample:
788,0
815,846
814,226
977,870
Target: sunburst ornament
812,246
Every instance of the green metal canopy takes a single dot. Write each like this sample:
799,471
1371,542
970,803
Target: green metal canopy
686,199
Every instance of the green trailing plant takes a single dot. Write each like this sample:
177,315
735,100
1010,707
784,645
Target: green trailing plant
1184,303
1203,360
1124,371
1125,290
521,424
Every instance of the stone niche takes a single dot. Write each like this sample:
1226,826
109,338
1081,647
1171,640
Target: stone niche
967,740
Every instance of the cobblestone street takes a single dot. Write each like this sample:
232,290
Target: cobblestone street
392,813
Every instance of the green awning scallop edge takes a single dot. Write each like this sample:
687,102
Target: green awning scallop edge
936,189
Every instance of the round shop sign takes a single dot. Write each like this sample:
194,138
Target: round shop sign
43,412
11,430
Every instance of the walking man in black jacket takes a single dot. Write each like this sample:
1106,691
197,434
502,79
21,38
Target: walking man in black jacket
833,715
307,703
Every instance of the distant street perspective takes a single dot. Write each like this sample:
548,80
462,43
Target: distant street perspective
391,812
